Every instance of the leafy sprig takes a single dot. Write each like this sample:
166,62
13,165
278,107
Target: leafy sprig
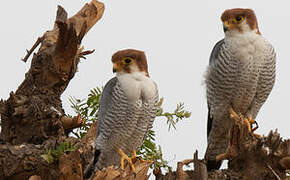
172,118
52,155
88,108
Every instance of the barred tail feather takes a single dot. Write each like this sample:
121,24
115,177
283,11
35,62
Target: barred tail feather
91,168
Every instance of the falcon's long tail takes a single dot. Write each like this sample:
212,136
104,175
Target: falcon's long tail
91,167
213,165
218,139
213,149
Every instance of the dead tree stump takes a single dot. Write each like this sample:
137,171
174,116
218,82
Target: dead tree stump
32,118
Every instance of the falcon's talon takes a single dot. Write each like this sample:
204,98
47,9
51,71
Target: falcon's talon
129,160
239,76
134,154
250,121
134,157
257,126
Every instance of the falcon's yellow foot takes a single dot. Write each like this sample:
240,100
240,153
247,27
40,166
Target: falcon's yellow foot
129,160
250,121
134,157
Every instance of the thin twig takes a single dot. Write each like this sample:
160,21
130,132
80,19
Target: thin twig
84,53
72,122
277,176
180,172
38,41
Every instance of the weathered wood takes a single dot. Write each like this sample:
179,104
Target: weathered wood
111,173
180,174
70,166
200,171
250,157
285,162
32,118
256,157
29,52
23,161
26,160
36,104
72,122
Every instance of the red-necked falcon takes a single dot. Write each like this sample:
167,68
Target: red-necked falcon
128,107
240,75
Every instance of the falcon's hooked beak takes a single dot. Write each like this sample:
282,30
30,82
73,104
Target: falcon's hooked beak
116,67
227,26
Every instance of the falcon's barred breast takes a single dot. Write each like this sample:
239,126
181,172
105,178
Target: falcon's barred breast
128,107
240,75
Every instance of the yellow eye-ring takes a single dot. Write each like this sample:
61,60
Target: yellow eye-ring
238,19
127,60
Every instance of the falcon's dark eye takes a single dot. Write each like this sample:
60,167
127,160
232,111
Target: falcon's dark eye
238,18
127,61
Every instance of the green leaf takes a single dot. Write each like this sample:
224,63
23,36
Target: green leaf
53,154
88,109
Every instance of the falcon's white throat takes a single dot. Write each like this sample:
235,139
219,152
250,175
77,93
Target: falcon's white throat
136,84
246,45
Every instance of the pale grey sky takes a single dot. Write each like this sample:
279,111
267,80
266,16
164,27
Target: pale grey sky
177,37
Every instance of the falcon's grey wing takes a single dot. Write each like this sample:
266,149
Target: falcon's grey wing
213,58
152,108
220,87
117,118
209,120
215,51
105,100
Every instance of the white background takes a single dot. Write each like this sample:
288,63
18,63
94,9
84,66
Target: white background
177,37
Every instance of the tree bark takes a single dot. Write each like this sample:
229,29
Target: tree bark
33,113
250,157
32,119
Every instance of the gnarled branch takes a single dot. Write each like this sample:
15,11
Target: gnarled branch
32,119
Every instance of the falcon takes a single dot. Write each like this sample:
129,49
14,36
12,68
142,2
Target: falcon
127,109
240,76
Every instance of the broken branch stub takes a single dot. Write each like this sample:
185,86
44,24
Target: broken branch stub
51,70
33,116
